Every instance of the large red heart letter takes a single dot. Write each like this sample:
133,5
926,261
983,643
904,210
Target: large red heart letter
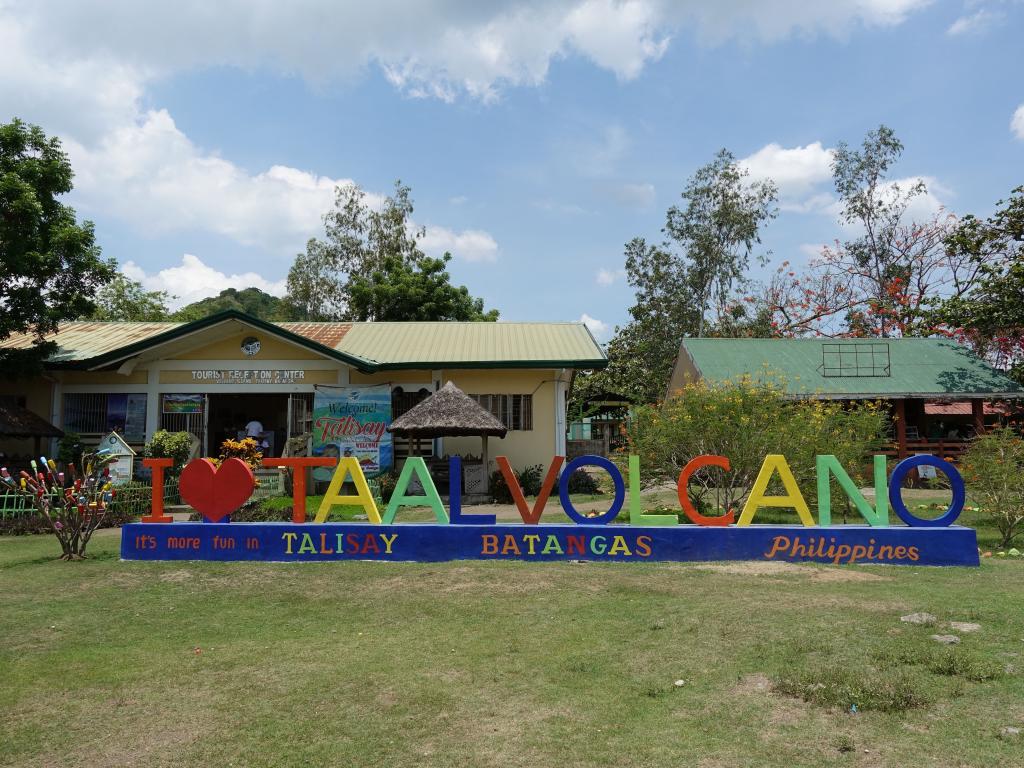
215,492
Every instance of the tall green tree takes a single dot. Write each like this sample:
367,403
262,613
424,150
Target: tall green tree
125,299
990,316
396,290
686,285
717,229
50,265
333,279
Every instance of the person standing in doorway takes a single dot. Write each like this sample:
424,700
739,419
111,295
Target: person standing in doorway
254,429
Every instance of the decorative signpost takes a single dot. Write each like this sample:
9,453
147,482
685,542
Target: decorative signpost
456,535
122,457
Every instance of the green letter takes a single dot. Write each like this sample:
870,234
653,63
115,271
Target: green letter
879,516
415,465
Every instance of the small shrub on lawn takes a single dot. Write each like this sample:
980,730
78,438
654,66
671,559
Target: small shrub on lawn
843,687
582,481
530,479
956,663
171,445
994,471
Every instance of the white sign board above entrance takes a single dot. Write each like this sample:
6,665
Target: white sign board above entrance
261,376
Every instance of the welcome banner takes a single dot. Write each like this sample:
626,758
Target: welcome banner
352,422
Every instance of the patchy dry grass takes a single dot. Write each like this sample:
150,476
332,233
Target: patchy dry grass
104,663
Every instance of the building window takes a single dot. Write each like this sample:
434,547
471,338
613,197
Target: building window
515,411
98,413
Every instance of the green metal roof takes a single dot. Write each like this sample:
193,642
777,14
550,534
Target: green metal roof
454,345
850,367
367,346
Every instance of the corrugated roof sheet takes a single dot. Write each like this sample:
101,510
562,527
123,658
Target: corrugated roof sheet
906,367
462,343
328,334
84,340
385,344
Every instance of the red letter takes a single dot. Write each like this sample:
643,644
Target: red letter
156,510
530,518
684,498
298,464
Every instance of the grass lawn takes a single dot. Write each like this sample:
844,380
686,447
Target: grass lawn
107,663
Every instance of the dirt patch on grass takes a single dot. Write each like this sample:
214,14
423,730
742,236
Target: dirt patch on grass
772,569
754,683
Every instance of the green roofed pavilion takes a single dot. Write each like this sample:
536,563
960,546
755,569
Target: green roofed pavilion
906,372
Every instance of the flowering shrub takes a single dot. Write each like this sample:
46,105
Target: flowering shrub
993,468
248,450
745,420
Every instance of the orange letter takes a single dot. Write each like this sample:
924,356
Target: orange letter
298,464
156,510
692,466
530,518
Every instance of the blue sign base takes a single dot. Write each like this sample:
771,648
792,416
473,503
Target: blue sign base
287,542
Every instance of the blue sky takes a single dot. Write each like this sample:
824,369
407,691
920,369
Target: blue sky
538,137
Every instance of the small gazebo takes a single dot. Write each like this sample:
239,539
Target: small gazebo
449,412
19,422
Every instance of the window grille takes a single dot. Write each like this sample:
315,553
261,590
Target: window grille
514,411
96,413
859,360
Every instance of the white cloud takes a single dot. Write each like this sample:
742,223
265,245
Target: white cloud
974,23
600,156
597,327
799,173
804,178
811,250
1017,123
634,195
609,276
436,50
193,280
470,244
150,174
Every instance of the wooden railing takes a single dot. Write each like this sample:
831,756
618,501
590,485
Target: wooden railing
945,449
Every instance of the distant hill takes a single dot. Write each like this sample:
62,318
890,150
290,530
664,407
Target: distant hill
252,301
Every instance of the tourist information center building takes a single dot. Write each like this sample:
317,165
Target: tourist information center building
213,376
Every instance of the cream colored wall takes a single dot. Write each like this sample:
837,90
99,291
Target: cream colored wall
101,377
522,447
311,376
38,394
230,348
390,377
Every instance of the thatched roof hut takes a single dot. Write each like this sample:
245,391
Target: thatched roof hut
16,421
449,412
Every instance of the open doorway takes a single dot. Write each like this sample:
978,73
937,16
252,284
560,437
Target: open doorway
230,414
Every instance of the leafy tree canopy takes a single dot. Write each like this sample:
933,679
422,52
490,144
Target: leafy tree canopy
396,290
345,275
685,286
990,316
125,299
252,301
50,264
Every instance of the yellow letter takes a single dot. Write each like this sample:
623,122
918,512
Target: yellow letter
348,465
775,462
